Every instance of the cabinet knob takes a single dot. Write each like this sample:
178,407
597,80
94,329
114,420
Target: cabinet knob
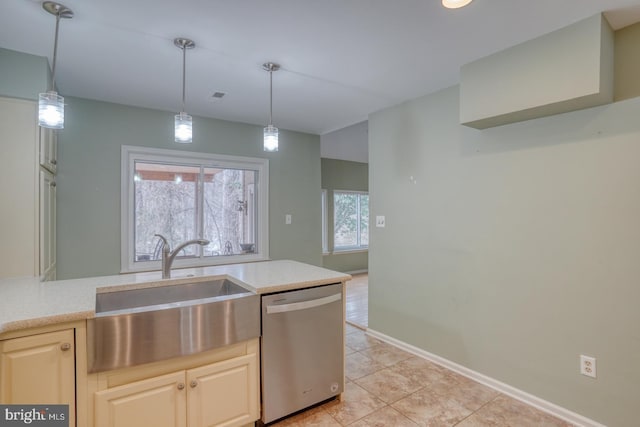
180,386
53,183
193,383
65,346
54,162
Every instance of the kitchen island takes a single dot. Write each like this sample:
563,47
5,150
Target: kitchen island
27,302
43,343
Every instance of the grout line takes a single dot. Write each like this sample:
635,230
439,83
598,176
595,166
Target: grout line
491,400
550,408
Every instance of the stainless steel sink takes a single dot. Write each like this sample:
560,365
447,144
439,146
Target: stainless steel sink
162,297
139,326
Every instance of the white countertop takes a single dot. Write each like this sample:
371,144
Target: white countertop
27,302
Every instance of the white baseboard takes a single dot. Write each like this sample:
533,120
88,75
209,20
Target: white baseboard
520,395
357,271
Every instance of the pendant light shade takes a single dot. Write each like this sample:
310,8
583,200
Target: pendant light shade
183,121
50,104
455,4
270,132
184,128
270,138
51,110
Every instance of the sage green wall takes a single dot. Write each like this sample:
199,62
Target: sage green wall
514,249
343,175
22,75
89,181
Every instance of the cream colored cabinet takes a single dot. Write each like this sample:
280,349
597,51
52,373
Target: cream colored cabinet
48,148
39,369
27,225
47,225
158,402
224,394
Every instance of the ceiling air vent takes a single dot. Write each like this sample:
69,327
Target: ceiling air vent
218,95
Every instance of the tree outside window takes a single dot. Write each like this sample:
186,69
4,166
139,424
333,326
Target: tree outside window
184,202
351,220
184,197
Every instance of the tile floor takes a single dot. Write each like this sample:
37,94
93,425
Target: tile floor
358,300
388,387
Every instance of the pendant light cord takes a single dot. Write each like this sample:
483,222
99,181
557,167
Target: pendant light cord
270,97
59,11
184,68
55,54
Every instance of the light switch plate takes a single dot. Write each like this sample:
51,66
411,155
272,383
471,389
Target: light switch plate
287,219
380,221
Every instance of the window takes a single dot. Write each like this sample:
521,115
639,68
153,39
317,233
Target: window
350,220
185,196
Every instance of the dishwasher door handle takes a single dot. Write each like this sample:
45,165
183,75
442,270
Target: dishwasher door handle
303,305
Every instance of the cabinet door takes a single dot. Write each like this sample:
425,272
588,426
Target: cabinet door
39,369
224,393
47,225
157,402
48,149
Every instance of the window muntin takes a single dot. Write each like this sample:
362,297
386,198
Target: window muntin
185,196
351,220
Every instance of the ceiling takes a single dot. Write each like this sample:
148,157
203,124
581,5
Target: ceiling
341,59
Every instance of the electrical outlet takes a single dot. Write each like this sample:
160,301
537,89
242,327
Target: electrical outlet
588,366
380,221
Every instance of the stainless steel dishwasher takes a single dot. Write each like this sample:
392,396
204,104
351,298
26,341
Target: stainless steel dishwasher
302,349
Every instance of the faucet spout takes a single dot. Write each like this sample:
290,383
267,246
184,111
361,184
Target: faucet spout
168,255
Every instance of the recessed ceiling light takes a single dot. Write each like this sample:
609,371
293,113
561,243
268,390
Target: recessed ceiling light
455,4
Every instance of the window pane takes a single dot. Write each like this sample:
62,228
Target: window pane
165,203
345,219
364,219
187,196
229,211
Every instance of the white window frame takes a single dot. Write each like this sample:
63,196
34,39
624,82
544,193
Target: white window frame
353,248
325,219
132,154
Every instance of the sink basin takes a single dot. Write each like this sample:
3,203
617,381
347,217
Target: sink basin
163,297
138,326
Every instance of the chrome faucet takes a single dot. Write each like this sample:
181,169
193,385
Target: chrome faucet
168,256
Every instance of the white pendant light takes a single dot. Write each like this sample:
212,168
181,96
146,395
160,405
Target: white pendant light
50,104
183,121
455,4
270,132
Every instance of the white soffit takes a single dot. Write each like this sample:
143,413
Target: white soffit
623,17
